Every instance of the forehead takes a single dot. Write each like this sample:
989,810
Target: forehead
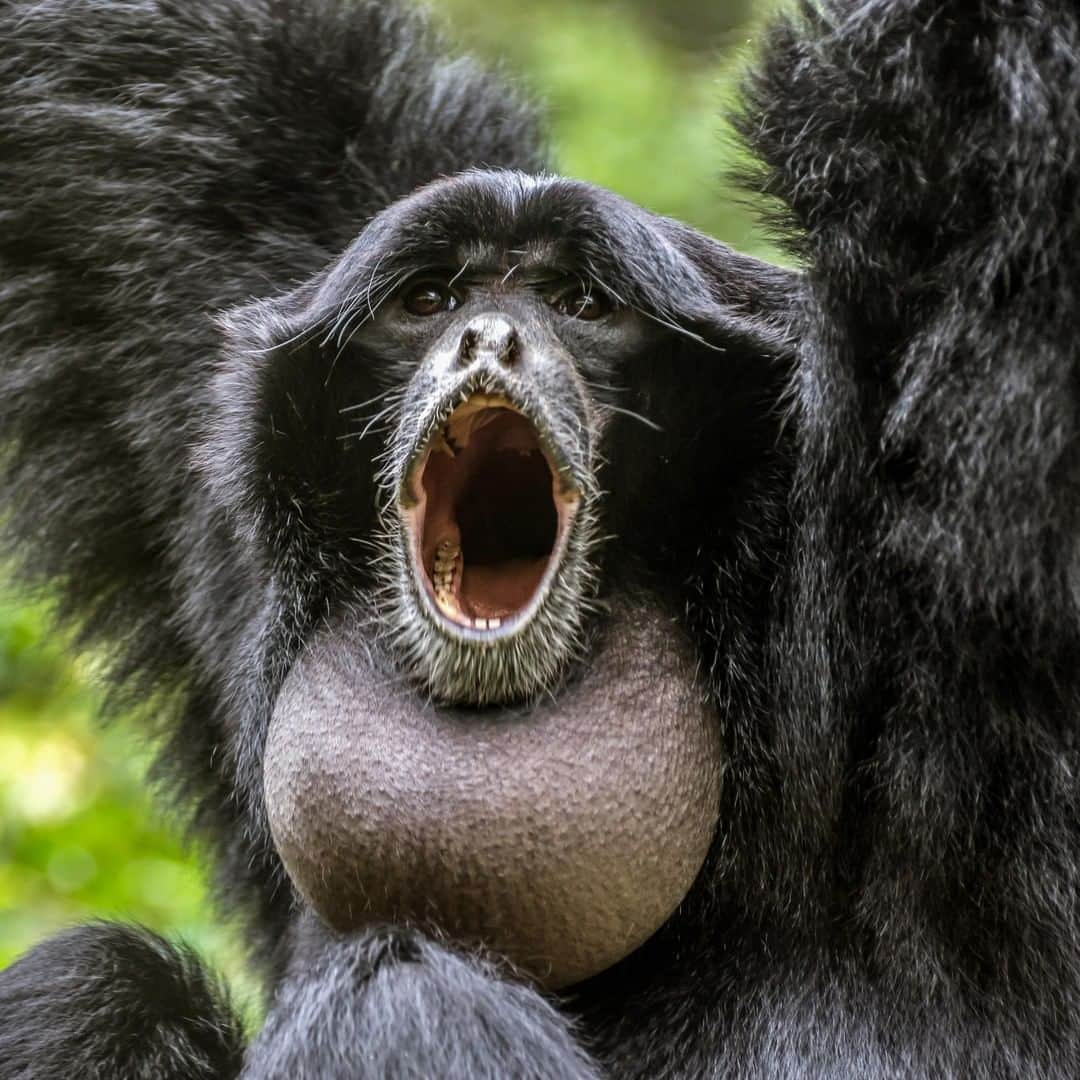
492,222
486,259
515,228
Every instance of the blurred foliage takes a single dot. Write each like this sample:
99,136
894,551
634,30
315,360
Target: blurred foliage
634,92
79,834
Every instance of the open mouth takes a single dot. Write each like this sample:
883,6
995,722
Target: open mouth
489,516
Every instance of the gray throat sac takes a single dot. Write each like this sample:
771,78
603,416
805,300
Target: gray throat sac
560,835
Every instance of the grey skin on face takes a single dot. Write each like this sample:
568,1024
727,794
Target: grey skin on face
491,500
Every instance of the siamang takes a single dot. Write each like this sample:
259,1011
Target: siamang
589,651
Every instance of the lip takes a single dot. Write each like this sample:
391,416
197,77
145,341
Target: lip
479,432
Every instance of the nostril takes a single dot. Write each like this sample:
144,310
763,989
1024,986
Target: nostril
508,350
490,338
467,345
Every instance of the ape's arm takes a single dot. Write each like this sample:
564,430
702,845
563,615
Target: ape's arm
928,681
392,1003
927,156
119,1003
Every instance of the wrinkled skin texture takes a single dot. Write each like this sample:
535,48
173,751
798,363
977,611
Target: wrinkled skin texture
882,590
562,835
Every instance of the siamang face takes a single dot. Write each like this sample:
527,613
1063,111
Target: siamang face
468,458
491,473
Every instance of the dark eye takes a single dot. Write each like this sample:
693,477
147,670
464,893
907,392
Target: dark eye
429,297
582,302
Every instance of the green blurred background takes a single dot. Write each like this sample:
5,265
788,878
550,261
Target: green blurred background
634,91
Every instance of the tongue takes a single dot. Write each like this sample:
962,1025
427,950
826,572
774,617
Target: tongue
500,589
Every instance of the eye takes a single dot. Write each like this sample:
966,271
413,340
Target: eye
429,297
582,301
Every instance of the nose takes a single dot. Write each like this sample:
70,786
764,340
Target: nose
489,337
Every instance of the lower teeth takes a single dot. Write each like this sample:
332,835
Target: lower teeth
447,557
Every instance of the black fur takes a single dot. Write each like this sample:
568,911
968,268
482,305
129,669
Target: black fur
393,1004
109,1002
886,605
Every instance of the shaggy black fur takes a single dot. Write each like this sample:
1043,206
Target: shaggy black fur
890,623
111,1002
416,1009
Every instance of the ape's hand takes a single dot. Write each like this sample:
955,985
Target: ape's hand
394,1004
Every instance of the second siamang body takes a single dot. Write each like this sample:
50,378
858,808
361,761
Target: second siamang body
856,501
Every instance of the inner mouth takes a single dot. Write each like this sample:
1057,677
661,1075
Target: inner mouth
490,517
